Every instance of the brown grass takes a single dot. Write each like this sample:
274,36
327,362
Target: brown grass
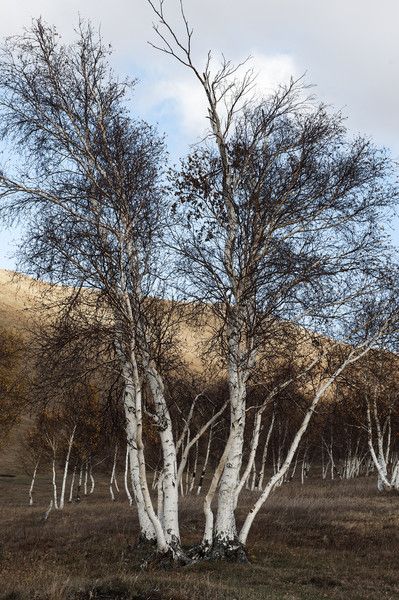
334,540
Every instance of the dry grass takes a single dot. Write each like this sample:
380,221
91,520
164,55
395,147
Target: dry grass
322,540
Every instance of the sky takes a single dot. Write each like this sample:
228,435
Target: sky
347,48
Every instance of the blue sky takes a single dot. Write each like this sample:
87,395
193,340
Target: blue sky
348,49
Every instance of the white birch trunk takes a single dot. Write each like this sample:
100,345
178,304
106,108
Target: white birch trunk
126,478
113,480
265,451
204,466
209,519
170,482
54,482
383,482
92,482
353,357
251,458
195,439
132,406
150,525
187,475
225,529
66,467
194,472
72,484
33,483
48,511
86,477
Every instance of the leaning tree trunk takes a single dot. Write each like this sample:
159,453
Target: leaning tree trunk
204,466
33,482
111,481
66,467
264,453
72,484
279,475
54,482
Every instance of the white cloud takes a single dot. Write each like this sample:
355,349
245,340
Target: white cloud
348,48
273,70
183,97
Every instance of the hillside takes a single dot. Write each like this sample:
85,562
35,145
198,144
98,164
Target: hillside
19,296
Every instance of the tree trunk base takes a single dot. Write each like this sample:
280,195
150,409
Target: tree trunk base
228,550
174,557
144,541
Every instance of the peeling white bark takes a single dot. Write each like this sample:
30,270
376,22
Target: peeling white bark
150,526
252,453
111,481
165,431
384,482
225,530
209,519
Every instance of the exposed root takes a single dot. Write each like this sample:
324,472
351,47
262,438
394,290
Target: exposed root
199,552
174,557
230,550
143,541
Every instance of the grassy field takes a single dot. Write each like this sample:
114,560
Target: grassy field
337,540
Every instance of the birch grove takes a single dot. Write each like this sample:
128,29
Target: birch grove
258,213
269,232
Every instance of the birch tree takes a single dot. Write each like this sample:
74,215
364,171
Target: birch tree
375,413
90,190
276,211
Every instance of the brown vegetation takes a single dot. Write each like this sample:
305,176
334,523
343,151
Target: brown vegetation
335,540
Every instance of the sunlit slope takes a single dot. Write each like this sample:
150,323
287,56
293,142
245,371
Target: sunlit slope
20,298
